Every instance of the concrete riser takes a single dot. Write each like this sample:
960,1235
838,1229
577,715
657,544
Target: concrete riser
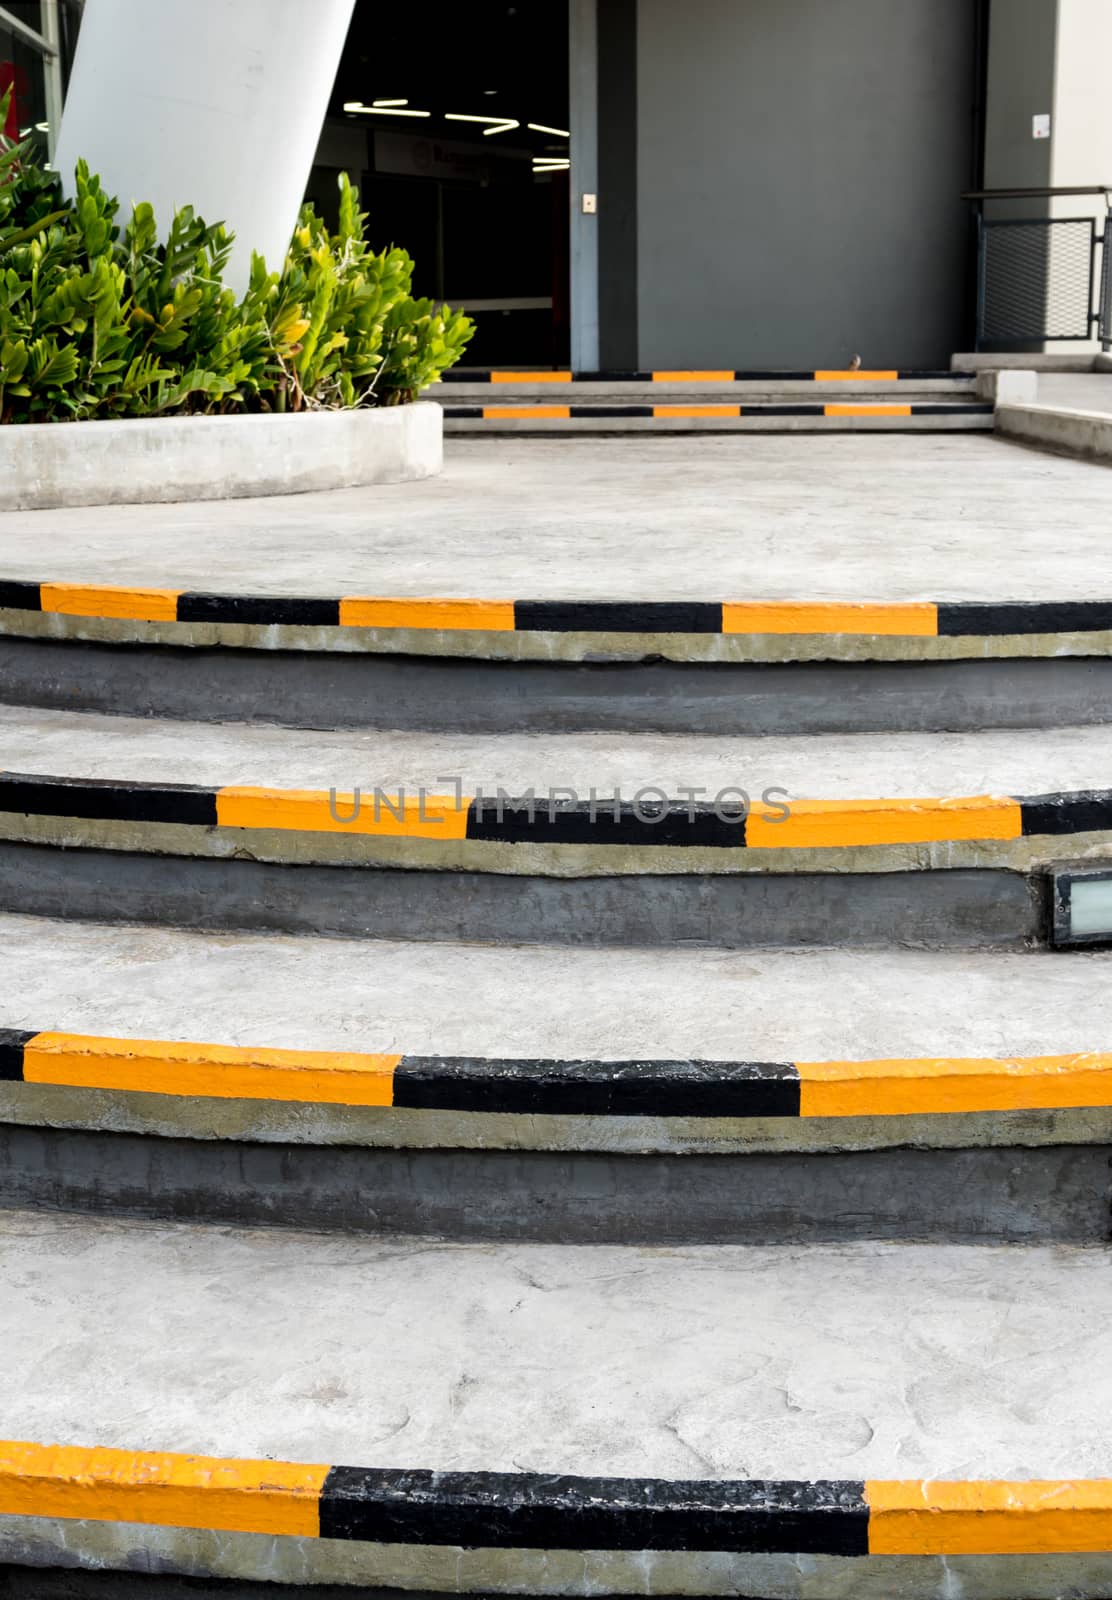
1055,1194
968,908
302,689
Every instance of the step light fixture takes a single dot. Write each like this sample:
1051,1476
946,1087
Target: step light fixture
1081,906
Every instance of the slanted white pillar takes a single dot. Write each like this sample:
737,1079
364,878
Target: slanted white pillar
216,104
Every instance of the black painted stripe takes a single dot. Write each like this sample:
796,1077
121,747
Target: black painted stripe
961,617
617,616
528,1510
15,596
802,408
475,413
952,408
611,411
103,799
599,1088
12,1041
611,377
1086,811
913,374
264,609
518,820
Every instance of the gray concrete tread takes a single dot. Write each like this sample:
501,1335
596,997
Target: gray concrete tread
858,1361
534,1003
844,518
829,766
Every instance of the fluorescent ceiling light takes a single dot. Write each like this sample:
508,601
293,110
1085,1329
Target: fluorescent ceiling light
376,103
381,111
539,127
500,124
551,166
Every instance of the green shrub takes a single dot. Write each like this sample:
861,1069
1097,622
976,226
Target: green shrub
99,321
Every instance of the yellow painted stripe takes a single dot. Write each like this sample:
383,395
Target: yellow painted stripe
819,824
910,619
311,811
900,1087
174,1491
503,412
691,375
954,1519
866,411
837,375
110,600
530,377
696,411
367,611
223,1072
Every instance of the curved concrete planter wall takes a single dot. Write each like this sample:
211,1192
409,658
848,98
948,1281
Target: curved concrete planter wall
215,458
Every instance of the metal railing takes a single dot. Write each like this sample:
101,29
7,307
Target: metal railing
1044,278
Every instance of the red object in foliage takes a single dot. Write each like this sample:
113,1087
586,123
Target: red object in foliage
15,79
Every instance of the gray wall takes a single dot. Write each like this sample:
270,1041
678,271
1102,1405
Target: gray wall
1021,61
799,167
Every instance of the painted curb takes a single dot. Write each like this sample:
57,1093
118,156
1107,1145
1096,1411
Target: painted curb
499,1510
918,619
635,1088
499,818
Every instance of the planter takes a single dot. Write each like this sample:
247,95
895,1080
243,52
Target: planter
215,458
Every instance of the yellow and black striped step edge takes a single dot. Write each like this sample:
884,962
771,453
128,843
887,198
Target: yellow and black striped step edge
650,1088
501,818
502,1510
909,619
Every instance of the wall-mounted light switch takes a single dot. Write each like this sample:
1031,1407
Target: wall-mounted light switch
590,204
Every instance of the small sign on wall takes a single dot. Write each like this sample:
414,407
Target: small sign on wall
1040,125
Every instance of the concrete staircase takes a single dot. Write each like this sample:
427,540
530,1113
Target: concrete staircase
555,1170
711,402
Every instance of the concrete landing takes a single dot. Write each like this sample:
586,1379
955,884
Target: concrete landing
852,518
860,1376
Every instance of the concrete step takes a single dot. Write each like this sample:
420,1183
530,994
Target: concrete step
910,1421
603,839
900,413
671,586
680,1096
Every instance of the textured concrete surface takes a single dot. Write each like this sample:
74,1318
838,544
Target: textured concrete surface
1090,391
463,999
966,908
853,766
1085,433
329,689
1058,1193
141,460
851,517
854,1361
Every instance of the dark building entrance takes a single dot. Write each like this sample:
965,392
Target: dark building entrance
460,115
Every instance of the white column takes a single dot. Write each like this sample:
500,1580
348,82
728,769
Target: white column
216,104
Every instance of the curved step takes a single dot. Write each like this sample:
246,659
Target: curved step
554,1094
574,838
531,1419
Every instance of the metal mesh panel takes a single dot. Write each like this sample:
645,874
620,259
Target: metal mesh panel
1106,285
1036,279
